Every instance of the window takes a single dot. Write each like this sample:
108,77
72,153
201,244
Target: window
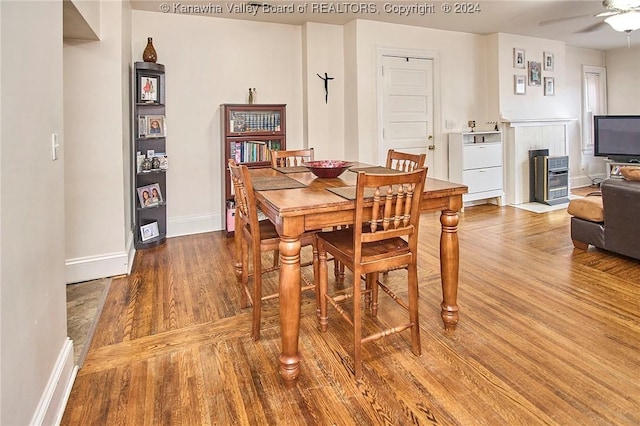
594,101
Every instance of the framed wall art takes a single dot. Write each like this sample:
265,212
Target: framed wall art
519,84
548,61
535,69
549,86
518,58
148,90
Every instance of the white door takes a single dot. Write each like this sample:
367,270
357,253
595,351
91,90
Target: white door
407,108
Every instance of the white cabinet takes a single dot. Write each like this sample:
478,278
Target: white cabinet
475,160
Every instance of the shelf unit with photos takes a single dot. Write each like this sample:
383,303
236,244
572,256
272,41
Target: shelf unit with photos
249,133
148,156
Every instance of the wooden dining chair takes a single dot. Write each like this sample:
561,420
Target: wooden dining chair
385,235
291,158
405,162
295,158
257,237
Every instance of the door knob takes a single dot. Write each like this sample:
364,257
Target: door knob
431,146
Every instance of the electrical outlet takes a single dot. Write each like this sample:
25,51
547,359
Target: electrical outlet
54,147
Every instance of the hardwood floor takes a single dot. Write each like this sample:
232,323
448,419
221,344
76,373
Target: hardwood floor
547,335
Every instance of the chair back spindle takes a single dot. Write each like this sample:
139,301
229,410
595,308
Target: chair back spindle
405,162
291,158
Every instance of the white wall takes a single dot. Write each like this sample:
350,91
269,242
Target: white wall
534,104
90,12
210,61
460,69
324,122
584,167
126,71
36,355
351,126
96,106
623,81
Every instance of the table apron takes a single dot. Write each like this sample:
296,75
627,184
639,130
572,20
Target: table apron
293,225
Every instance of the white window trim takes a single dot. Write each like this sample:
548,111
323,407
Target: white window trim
587,116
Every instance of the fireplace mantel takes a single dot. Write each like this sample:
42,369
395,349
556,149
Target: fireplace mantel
522,135
521,122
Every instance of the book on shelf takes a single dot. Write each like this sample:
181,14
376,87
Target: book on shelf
252,151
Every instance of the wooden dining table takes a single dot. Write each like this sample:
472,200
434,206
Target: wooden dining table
312,206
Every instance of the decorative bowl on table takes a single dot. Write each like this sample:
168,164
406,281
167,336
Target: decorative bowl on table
327,168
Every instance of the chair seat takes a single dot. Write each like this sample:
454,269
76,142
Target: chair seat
342,240
268,230
269,235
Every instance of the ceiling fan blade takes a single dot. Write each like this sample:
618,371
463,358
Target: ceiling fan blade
592,28
559,20
609,13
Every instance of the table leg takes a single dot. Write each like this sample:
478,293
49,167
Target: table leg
449,265
290,307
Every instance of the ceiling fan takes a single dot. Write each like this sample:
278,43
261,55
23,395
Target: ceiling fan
621,15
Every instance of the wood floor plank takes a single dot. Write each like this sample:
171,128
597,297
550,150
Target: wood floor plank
548,335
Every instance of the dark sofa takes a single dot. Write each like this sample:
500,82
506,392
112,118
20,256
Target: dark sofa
617,228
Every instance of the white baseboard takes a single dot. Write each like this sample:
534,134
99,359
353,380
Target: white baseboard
96,267
131,252
54,398
112,264
188,225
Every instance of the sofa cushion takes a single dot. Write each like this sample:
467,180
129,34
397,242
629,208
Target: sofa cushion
630,172
587,208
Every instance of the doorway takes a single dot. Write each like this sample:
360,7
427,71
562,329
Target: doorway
407,107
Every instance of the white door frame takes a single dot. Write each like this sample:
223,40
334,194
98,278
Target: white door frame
439,159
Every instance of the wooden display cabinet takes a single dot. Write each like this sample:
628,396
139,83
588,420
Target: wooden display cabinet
249,133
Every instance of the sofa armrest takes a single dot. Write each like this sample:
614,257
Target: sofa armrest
621,202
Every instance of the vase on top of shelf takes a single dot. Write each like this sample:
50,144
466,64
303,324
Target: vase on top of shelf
149,54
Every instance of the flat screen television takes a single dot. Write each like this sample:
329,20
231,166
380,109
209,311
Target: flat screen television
617,137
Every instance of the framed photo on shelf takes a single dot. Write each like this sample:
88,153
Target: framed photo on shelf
519,84
149,231
548,61
149,195
549,86
148,89
155,126
518,58
535,69
156,195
